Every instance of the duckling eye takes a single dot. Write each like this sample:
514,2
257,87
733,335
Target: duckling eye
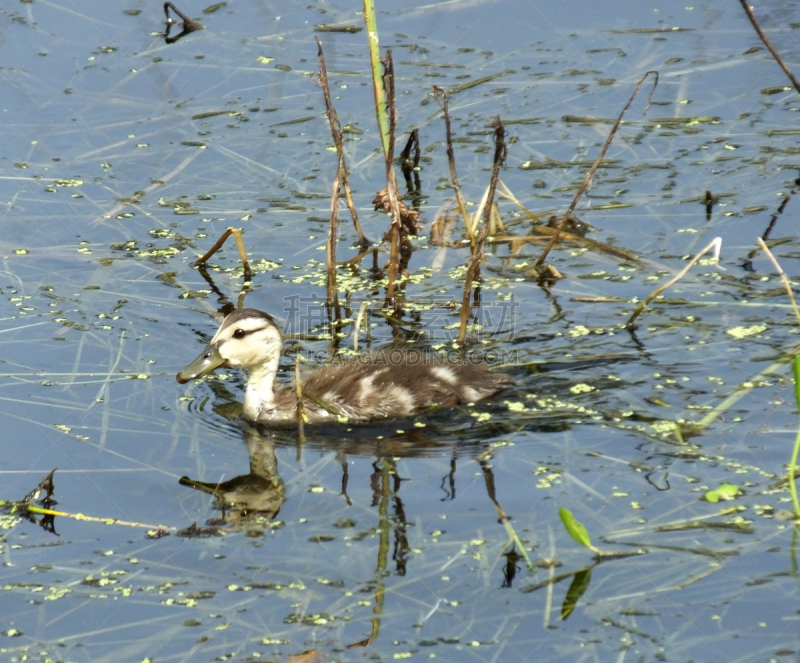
239,333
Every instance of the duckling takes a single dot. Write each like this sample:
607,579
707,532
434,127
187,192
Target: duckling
391,383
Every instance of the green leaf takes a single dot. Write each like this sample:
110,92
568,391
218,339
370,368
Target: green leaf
580,583
576,530
727,491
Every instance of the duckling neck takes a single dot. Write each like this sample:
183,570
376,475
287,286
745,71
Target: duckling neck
259,396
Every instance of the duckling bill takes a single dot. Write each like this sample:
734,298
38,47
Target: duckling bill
393,383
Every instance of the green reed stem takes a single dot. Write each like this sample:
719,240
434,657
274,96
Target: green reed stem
796,450
377,73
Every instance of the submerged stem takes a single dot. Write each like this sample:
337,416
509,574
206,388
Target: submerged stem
715,244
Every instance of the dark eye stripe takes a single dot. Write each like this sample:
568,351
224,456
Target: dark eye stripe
241,333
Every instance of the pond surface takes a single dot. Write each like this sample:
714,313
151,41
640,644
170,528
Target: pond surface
124,158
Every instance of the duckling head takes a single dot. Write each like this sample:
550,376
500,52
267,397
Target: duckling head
247,338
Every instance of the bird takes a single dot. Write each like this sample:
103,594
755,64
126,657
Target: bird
389,383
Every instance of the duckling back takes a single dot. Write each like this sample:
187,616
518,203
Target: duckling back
397,383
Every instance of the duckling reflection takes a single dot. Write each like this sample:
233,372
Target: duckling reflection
251,497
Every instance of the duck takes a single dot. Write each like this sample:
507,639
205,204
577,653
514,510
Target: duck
388,383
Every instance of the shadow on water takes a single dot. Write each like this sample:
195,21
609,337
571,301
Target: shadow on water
258,494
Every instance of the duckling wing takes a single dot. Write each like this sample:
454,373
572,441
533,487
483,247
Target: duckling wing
400,383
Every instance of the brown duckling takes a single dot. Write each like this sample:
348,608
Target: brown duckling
390,383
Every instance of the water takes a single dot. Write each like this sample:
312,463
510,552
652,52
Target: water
388,544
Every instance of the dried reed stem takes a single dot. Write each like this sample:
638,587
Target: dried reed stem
391,180
300,412
187,22
473,269
749,11
332,301
189,25
452,161
338,139
716,244
412,145
410,165
774,219
784,278
237,235
590,174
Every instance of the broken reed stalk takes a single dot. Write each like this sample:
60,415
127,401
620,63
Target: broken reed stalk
189,25
452,161
338,139
784,278
409,164
412,145
716,244
749,11
391,181
332,301
45,485
796,372
187,22
237,235
474,266
510,195
357,259
479,213
774,218
587,180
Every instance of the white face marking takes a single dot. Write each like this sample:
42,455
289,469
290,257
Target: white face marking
260,344
445,374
